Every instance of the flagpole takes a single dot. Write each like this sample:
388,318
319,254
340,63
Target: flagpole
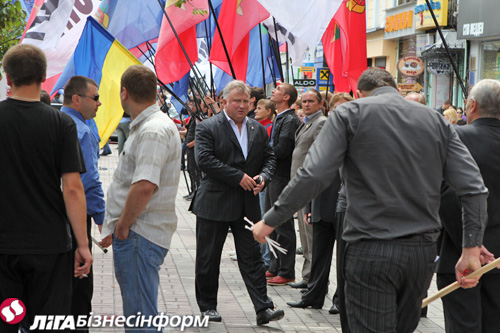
272,73
277,50
262,60
209,45
448,52
221,39
177,36
287,64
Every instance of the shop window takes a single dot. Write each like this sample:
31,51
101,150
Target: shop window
490,61
369,62
380,62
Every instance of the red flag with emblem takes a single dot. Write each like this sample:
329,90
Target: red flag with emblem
346,54
236,19
171,62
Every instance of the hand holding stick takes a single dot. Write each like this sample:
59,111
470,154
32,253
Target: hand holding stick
273,245
448,289
99,245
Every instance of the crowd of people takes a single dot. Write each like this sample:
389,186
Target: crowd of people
403,190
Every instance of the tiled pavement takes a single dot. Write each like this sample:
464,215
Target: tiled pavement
177,292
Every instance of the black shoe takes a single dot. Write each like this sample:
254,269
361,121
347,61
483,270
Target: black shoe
267,315
186,196
303,291
301,304
213,315
334,309
298,285
190,197
299,251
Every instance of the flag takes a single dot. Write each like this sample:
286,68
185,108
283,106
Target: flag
254,71
101,57
236,19
171,62
131,22
55,27
344,45
296,46
306,20
206,29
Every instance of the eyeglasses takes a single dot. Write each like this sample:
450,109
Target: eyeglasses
460,112
95,97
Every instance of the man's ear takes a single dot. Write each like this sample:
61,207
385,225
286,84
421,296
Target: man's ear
286,98
123,93
9,81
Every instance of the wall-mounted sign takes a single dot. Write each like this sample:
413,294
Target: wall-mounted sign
407,87
439,67
399,21
423,17
411,66
473,29
478,19
304,83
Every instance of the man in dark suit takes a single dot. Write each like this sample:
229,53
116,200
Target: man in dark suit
233,152
286,123
476,309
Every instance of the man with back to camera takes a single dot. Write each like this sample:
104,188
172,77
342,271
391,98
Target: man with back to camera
81,101
477,309
234,154
140,210
36,261
391,221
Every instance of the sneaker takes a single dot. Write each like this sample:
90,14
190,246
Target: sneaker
269,275
279,281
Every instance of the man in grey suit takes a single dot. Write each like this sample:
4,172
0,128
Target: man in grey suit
391,222
304,137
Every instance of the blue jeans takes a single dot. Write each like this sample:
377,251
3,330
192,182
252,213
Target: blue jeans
137,263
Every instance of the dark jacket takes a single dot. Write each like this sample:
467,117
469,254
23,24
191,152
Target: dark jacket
219,155
283,133
482,138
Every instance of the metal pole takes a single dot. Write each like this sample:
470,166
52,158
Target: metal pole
262,60
448,52
221,39
277,51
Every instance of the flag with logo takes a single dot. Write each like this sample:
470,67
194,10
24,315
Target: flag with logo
344,45
101,57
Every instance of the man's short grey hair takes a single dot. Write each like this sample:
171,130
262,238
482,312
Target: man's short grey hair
238,85
486,93
375,78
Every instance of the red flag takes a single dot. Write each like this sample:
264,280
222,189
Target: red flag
346,55
171,63
236,19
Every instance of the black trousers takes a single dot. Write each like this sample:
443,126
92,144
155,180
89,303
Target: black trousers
210,238
284,265
385,282
193,170
341,249
322,253
41,281
472,310
83,289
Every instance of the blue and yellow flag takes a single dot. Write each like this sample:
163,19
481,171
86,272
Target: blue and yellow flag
102,58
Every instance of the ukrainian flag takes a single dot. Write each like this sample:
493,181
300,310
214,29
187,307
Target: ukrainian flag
104,59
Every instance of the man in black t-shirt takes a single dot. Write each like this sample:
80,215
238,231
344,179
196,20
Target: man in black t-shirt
40,155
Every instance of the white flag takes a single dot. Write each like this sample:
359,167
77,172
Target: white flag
296,46
306,20
56,27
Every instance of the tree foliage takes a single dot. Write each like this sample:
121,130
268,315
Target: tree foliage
196,10
12,23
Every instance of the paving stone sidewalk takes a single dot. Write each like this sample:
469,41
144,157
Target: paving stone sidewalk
177,291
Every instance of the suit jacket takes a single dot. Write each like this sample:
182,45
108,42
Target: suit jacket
219,155
283,133
323,207
304,138
482,138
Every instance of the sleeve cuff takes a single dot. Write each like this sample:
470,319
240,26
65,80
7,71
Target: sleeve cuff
98,218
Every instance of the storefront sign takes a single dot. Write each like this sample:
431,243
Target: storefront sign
411,66
423,17
404,87
304,83
439,68
478,19
399,21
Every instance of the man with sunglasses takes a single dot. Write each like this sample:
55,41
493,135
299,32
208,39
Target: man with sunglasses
81,101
